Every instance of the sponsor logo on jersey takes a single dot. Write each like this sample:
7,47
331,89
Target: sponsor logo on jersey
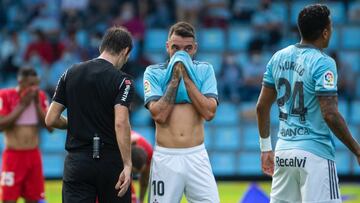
147,87
126,93
291,162
329,80
292,132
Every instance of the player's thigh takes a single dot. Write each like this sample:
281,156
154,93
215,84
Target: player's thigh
285,181
166,182
78,180
34,181
108,177
319,180
13,173
200,186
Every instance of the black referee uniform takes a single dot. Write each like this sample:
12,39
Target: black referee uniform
89,91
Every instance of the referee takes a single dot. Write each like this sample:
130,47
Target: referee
97,96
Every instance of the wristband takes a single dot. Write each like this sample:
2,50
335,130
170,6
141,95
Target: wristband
265,144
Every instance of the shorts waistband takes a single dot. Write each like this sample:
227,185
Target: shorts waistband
177,151
21,150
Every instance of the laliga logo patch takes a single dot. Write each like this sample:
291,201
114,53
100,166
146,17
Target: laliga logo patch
147,88
329,80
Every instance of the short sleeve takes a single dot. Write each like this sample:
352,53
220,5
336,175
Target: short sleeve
152,86
43,101
209,84
325,77
268,79
4,110
60,91
125,94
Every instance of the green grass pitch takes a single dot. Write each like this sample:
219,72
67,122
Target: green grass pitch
230,192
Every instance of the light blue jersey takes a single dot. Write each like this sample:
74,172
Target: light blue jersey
300,73
155,82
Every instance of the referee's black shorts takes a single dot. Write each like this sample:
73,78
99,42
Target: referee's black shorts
86,178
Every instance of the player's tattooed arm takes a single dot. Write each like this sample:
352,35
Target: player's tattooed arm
337,124
266,99
161,109
205,106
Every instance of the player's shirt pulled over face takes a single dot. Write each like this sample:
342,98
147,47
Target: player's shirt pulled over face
300,73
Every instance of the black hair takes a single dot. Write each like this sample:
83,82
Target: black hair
312,21
182,29
138,157
26,72
115,40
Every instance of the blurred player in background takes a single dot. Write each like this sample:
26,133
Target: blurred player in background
180,162
302,79
141,154
22,113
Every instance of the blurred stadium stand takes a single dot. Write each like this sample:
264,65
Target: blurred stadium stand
74,32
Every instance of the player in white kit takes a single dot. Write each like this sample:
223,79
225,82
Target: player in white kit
302,79
179,101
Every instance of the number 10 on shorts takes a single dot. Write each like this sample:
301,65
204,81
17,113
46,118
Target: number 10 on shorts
158,187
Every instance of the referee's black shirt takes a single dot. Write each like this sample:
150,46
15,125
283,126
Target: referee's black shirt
89,91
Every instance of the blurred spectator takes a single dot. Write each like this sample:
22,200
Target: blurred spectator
253,71
160,14
231,78
217,13
40,46
243,10
78,5
188,11
44,19
267,27
354,12
128,18
10,56
58,68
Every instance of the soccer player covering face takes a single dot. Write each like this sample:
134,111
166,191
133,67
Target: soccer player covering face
180,162
302,80
22,112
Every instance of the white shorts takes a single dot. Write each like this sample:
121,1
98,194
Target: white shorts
301,176
175,172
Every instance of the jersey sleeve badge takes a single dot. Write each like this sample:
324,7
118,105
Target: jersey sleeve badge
329,80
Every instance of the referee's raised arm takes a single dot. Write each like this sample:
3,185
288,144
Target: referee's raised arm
97,96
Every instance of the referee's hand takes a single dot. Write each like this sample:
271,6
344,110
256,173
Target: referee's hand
124,181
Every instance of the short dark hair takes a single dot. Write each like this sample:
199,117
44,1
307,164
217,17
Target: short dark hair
312,21
26,72
138,157
115,40
182,29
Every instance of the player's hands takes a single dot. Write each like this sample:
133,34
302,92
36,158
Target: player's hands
27,96
124,181
184,72
176,75
36,92
267,162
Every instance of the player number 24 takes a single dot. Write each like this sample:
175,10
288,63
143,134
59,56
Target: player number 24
297,92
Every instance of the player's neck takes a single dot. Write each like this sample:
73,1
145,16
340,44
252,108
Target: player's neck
108,57
315,43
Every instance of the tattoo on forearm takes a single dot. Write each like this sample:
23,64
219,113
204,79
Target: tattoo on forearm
170,94
335,121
